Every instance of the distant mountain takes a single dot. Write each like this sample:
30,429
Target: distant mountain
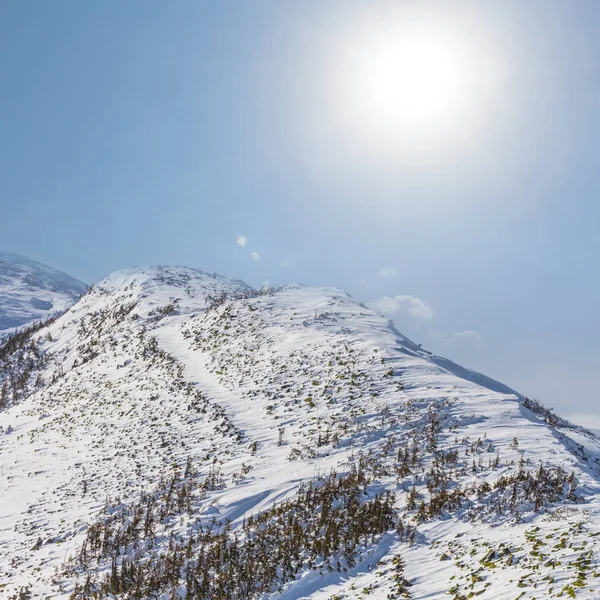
177,435
31,291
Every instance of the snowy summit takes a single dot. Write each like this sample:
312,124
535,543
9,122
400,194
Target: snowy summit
179,435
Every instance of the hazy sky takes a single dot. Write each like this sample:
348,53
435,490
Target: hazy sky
249,138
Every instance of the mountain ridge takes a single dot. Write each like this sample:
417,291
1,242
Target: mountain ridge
182,400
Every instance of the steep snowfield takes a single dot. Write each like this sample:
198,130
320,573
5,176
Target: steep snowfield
31,291
164,370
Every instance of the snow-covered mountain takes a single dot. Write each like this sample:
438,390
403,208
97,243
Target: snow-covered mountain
177,434
31,291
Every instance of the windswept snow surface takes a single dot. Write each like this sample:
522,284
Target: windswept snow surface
31,291
294,383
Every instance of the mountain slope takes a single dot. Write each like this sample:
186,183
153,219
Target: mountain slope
188,436
31,291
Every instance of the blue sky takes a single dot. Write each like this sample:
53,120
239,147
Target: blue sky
146,132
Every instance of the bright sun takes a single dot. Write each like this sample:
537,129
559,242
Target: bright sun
412,83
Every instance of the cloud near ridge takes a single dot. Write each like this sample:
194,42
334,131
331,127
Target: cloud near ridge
411,306
587,420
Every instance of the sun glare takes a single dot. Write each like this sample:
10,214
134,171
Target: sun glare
413,83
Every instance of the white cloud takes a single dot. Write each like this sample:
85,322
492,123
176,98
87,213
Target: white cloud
285,263
256,256
587,420
389,271
415,308
363,282
242,241
570,387
469,337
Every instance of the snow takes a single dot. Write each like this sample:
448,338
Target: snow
31,291
112,418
